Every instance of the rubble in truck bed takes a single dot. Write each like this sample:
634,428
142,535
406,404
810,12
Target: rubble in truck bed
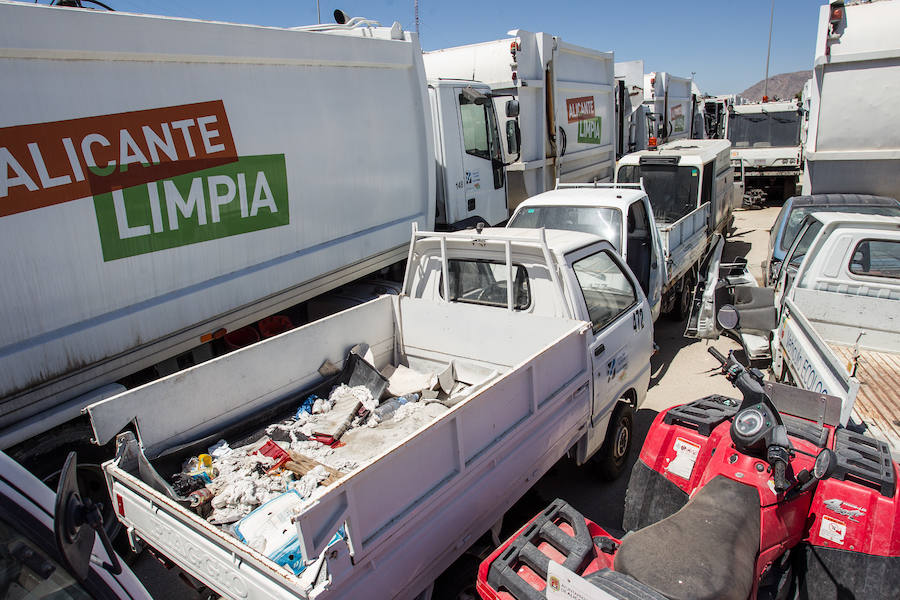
251,484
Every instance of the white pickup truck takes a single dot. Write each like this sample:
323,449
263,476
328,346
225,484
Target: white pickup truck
691,191
540,385
833,317
617,212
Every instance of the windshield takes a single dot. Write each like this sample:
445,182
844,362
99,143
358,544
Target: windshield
764,130
603,222
672,189
795,219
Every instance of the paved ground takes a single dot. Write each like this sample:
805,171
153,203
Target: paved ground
682,371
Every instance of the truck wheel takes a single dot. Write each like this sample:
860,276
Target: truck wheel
681,309
613,454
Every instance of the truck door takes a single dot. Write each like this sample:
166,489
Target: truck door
484,174
622,331
643,251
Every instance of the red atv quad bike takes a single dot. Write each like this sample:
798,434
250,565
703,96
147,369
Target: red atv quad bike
770,499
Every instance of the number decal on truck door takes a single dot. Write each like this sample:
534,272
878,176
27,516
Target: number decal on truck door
637,319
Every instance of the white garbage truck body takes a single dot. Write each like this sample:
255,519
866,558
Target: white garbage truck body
566,106
198,177
857,64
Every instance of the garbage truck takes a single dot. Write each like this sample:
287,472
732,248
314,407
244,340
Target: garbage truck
854,151
673,107
199,184
766,151
562,126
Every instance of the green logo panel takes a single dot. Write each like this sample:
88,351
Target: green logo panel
589,131
248,195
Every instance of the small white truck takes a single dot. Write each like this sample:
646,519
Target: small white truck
833,316
564,98
690,187
851,145
617,212
766,150
549,331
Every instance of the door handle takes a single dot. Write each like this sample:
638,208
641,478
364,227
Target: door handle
599,350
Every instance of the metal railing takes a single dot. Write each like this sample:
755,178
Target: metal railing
495,236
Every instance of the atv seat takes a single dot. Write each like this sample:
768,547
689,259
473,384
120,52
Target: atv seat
705,550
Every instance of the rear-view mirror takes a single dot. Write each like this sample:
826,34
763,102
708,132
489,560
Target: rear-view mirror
513,141
512,108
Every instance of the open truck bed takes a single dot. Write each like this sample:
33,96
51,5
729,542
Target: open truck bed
407,512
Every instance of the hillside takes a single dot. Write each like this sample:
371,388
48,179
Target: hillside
783,86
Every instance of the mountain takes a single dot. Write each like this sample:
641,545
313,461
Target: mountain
784,86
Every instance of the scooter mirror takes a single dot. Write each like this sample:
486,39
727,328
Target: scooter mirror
825,463
727,317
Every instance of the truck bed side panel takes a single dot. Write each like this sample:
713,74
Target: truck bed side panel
684,242
208,397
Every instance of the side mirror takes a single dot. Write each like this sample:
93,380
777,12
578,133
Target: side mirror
512,108
513,137
728,317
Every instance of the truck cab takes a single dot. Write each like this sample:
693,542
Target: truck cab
620,214
689,184
559,274
471,176
765,155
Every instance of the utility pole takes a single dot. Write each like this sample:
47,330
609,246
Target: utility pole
768,52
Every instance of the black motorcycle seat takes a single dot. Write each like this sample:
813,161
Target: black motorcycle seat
705,550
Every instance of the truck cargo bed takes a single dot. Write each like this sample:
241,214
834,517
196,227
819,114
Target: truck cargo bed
411,509
876,402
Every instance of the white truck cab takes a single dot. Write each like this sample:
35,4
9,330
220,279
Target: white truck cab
620,214
562,274
691,191
471,175
766,153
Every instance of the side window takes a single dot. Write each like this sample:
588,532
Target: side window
481,136
707,184
606,288
475,128
27,572
795,258
484,282
876,258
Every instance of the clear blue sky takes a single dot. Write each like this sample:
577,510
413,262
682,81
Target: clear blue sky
723,41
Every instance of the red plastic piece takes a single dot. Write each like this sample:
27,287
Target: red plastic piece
274,325
275,452
241,337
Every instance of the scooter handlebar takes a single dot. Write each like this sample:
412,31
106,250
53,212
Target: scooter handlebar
718,355
780,480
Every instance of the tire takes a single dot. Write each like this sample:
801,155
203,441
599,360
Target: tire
681,310
613,455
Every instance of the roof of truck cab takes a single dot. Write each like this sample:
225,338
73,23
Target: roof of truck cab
769,107
842,200
559,241
705,150
616,197
827,218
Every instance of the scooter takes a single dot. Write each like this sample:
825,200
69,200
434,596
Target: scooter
764,498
